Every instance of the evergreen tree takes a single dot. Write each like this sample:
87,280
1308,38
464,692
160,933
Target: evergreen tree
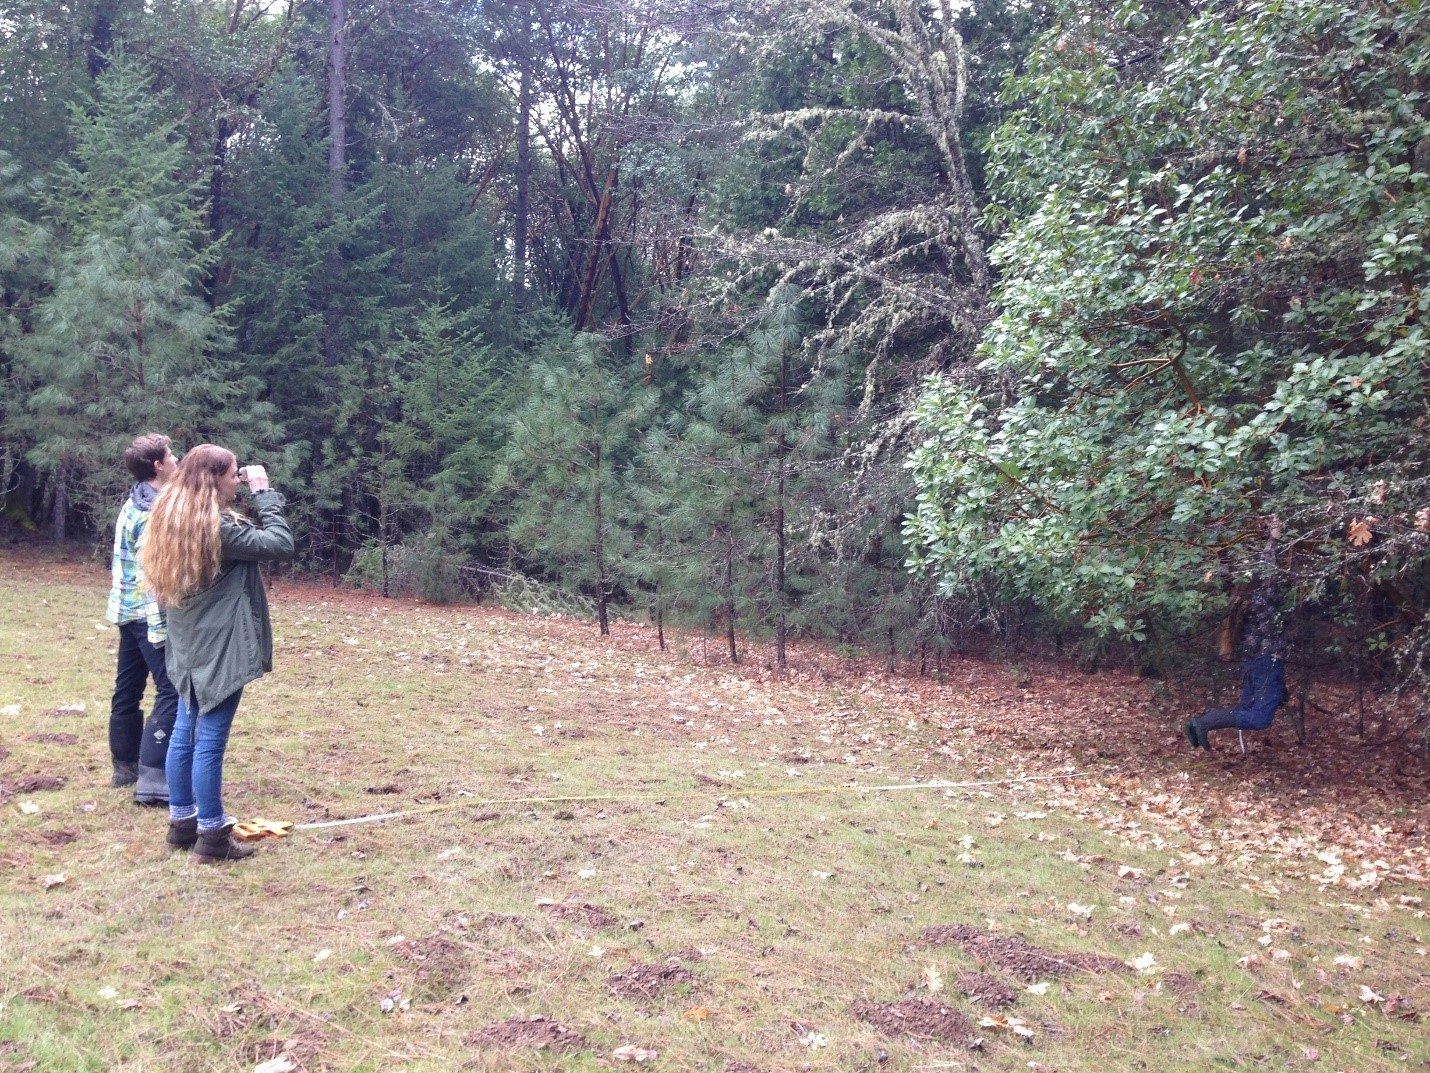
22,278
570,447
737,479
124,340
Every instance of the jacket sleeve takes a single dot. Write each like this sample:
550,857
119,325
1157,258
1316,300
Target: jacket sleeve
269,540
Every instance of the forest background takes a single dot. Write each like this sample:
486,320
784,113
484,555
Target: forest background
894,324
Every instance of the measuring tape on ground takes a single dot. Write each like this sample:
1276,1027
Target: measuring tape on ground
471,802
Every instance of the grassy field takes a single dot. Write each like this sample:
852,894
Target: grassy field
695,918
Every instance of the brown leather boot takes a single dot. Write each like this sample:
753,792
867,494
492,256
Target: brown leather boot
211,847
183,833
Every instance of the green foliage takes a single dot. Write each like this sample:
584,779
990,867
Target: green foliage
725,490
569,446
1212,311
124,340
418,567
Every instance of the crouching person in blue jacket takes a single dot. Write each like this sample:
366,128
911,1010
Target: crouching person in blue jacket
1263,677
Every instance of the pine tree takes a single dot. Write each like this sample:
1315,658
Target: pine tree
737,478
124,342
569,451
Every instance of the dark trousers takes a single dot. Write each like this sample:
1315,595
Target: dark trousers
130,737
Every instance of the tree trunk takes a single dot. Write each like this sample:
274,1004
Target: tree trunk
599,542
60,507
593,262
337,97
523,168
216,185
782,454
101,37
337,170
337,540
730,592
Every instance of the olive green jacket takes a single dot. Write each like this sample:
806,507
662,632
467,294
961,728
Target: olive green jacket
221,639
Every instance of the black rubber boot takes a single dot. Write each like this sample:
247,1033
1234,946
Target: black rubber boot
215,846
183,833
151,788
126,773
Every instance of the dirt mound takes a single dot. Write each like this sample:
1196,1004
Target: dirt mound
1180,983
986,990
1018,957
648,980
437,959
592,916
31,785
533,1032
919,1017
944,934
54,739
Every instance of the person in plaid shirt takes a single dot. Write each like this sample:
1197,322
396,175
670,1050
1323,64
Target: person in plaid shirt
139,748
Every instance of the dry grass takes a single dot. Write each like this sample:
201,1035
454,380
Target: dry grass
722,928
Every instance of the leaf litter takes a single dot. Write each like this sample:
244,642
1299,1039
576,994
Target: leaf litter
850,723
1367,813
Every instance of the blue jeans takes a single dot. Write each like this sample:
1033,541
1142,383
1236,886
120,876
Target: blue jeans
195,765
130,737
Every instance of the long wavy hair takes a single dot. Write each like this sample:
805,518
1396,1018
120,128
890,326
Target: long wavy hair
182,552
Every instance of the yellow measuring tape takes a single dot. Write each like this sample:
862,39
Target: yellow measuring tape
680,795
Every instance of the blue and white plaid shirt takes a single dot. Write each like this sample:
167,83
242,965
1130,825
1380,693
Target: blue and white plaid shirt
128,599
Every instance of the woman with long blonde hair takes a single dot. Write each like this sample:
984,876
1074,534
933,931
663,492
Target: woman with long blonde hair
201,562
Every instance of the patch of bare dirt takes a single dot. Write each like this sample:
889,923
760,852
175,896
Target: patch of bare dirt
986,990
1018,957
61,837
36,783
538,1033
742,1067
439,961
918,1017
591,916
491,919
54,739
648,980
30,785
1180,983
